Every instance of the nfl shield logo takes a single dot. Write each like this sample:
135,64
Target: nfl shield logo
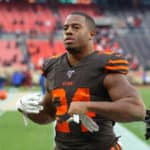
70,73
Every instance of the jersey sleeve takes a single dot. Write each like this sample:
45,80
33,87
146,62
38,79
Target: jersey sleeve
117,64
47,66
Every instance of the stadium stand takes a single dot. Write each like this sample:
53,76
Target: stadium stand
30,33
26,18
91,9
41,49
10,53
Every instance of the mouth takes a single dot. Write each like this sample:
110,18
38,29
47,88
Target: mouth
69,40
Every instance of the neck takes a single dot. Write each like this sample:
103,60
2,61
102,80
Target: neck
75,58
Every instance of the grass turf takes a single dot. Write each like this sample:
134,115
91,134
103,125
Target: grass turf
138,128
15,136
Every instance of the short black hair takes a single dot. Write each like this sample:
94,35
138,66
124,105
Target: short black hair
90,21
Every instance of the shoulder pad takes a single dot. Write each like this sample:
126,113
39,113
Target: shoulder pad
48,64
117,64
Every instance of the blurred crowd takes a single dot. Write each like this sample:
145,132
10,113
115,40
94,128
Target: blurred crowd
32,33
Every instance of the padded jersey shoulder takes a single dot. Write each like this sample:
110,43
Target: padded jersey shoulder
50,63
114,62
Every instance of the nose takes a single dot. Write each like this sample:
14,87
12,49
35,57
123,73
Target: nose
69,30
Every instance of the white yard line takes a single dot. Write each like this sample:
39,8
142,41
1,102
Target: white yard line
128,140
9,103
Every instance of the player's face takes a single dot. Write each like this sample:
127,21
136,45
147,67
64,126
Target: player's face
75,33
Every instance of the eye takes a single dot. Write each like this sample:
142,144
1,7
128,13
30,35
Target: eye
76,27
65,28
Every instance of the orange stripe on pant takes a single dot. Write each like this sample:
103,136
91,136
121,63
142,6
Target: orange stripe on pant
116,147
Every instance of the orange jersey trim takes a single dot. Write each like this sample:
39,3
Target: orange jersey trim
107,53
118,61
116,67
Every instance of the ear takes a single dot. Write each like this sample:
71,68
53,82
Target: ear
91,35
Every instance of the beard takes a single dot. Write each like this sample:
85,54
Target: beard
73,50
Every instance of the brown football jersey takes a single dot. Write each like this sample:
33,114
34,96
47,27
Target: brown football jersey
82,82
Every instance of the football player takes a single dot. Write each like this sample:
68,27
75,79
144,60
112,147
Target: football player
87,86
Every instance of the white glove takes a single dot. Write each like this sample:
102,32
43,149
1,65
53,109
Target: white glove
89,123
30,103
86,121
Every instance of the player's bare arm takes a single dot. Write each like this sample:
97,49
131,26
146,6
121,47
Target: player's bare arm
126,103
47,115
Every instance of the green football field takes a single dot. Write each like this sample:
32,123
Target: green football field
15,136
138,128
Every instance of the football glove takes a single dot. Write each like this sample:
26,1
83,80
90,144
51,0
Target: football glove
89,123
147,121
30,104
86,121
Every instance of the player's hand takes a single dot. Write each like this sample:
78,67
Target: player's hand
78,108
30,103
85,120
